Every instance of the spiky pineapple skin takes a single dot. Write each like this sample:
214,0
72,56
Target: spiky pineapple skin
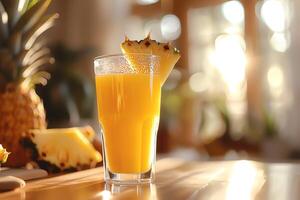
20,111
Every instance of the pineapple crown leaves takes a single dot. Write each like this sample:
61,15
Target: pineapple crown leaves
43,25
40,77
31,16
20,29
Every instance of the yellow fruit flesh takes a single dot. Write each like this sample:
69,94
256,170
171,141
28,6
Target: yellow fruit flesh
65,149
87,131
3,154
168,56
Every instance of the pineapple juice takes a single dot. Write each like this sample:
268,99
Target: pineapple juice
128,111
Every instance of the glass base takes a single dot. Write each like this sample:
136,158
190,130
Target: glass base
139,191
129,179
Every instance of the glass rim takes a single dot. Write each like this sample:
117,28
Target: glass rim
123,55
108,60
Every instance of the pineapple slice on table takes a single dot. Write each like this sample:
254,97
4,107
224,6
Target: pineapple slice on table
168,55
87,131
3,154
63,149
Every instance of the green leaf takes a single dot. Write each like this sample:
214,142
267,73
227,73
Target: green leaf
11,7
38,29
3,23
31,3
31,16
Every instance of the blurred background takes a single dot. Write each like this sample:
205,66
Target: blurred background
234,92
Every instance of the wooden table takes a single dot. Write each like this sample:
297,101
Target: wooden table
176,179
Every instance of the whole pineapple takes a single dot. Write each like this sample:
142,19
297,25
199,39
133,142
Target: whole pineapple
22,55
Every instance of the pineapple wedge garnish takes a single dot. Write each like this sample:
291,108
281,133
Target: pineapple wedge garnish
61,149
3,154
168,55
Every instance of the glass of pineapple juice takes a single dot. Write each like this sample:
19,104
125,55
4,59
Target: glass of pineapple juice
128,100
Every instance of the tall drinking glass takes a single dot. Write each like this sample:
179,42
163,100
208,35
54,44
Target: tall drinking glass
128,99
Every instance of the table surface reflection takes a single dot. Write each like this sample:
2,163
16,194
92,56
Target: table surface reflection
176,179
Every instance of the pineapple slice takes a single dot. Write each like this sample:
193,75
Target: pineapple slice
61,149
168,54
87,131
3,154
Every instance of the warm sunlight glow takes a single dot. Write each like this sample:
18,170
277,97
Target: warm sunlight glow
242,181
230,59
170,27
105,195
275,80
237,92
275,76
279,42
273,14
233,11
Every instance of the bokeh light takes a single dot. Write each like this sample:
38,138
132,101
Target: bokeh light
233,11
170,27
275,80
273,14
197,83
230,59
279,42
146,2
